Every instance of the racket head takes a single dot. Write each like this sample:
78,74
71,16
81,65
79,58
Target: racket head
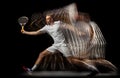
23,20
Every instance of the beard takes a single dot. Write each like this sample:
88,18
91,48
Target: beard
48,23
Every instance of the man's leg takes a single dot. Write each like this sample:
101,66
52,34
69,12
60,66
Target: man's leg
87,65
39,59
82,63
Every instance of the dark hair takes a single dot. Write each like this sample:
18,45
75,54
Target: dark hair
48,13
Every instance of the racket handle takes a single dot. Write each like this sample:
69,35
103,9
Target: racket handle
22,27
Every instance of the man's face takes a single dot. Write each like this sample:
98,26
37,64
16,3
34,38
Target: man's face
49,19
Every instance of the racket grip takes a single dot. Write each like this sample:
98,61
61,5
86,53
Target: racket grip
22,27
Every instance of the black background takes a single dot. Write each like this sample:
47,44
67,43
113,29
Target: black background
25,49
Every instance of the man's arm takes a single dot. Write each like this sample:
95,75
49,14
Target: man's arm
31,32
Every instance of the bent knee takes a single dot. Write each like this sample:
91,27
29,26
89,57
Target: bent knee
44,53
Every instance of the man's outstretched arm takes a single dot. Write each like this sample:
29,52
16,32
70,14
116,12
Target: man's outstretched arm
31,32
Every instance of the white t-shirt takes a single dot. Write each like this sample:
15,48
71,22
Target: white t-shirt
55,32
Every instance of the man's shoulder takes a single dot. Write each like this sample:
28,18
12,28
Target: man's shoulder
57,21
46,26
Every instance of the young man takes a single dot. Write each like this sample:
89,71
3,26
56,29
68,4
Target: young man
54,30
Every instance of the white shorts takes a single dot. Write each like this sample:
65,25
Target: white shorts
62,48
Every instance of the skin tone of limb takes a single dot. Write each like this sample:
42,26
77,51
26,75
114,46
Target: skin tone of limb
101,62
71,59
31,32
81,63
41,56
39,59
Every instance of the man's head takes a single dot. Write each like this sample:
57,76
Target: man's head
49,19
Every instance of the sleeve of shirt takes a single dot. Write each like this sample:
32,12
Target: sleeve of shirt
44,29
59,22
